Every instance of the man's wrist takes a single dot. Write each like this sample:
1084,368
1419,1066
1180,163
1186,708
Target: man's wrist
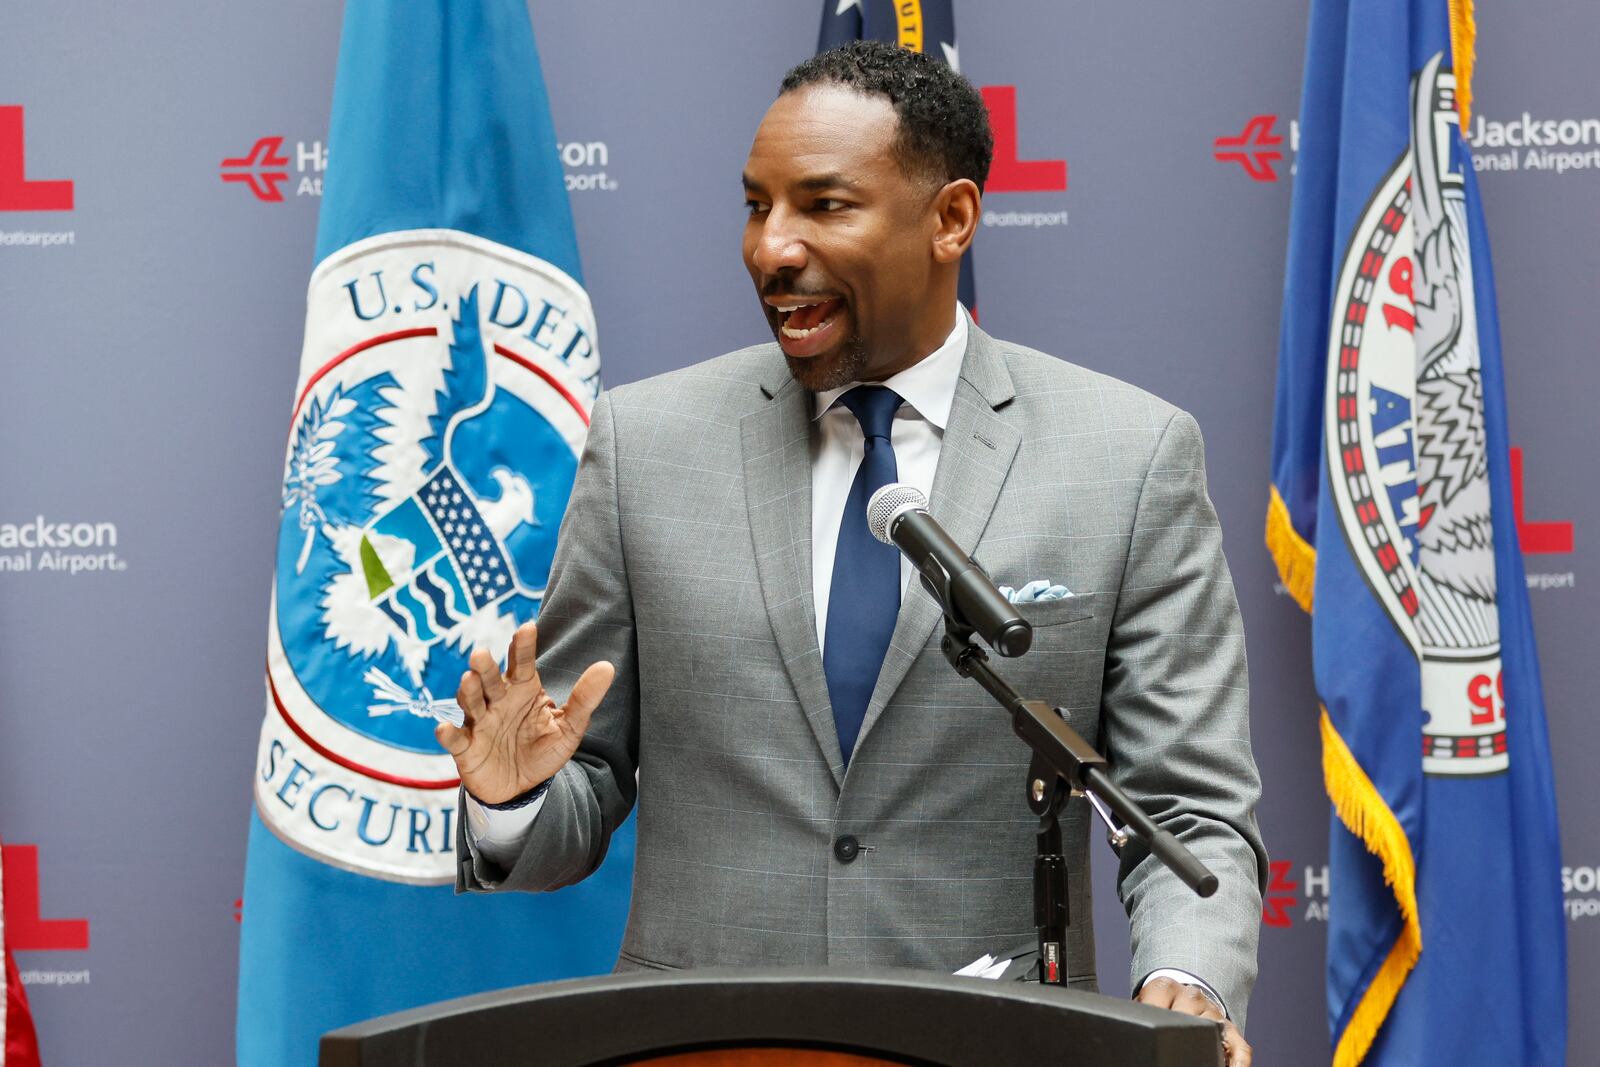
521,800
499,832
1185,978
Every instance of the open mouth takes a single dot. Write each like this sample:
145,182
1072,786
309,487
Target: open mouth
799,322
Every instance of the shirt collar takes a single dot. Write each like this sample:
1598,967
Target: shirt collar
929,385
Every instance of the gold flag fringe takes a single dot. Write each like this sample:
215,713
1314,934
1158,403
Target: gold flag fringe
1463,53
1296,560
1363,810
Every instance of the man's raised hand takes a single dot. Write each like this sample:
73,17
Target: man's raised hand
514,736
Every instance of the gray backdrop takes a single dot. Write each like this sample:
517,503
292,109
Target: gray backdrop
149,338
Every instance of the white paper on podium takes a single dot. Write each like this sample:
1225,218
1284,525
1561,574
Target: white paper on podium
985,966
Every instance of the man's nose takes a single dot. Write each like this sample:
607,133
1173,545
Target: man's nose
779,246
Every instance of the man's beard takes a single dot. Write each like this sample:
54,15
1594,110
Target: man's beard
820,374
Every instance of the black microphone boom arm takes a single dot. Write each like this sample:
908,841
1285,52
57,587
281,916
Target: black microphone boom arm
1063,750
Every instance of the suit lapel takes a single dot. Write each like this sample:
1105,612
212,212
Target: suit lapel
974,458
777,479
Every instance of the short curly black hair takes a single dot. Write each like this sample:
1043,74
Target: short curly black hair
944,125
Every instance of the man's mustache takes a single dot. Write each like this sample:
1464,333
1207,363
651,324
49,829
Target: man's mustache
786,287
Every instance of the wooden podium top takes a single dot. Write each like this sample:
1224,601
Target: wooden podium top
779,1017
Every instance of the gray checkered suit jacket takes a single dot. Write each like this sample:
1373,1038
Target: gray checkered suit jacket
685,559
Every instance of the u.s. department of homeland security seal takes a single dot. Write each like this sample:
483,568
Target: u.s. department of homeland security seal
443,401
1405,434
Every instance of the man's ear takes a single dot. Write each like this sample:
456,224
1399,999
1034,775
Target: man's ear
956,208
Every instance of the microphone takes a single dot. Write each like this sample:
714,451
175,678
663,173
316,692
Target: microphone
898,515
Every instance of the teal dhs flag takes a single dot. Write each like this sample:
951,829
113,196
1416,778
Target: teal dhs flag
1391,520
445,384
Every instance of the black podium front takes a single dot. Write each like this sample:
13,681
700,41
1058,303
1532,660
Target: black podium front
779,1016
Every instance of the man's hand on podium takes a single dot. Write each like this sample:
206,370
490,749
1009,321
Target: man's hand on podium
514,736
1166,993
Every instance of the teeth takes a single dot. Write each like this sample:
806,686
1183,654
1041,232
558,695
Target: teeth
785,310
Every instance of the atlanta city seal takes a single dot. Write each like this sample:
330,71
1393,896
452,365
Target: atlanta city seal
1405,434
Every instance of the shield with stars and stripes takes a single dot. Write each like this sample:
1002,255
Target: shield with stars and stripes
459,565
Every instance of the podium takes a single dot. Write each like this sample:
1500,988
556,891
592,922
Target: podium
778,1017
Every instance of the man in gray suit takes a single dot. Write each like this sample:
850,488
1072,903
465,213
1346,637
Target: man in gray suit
715,625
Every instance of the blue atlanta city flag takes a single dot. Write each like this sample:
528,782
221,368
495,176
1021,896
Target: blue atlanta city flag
445,384
1391,521
919,25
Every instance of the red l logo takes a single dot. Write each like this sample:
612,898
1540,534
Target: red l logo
1536,537
25,930
1007,173
17,193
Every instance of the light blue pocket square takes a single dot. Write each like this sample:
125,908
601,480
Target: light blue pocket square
1034,592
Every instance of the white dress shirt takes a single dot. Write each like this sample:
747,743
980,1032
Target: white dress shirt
928,389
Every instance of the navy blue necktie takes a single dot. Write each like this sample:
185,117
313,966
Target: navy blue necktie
864,597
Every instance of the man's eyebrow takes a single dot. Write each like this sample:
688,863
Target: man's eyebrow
814,184
825,181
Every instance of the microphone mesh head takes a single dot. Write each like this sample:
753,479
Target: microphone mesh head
888,504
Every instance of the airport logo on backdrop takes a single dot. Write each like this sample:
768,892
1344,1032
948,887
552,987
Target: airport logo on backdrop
1527,143
20,193
272,170
268,168
1008,173
1540,537
1260,148
17,191
1580,890
27,930
584,164
444,399
1257,148
1534,143
1295,892
47,546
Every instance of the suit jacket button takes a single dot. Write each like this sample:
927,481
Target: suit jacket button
846,848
